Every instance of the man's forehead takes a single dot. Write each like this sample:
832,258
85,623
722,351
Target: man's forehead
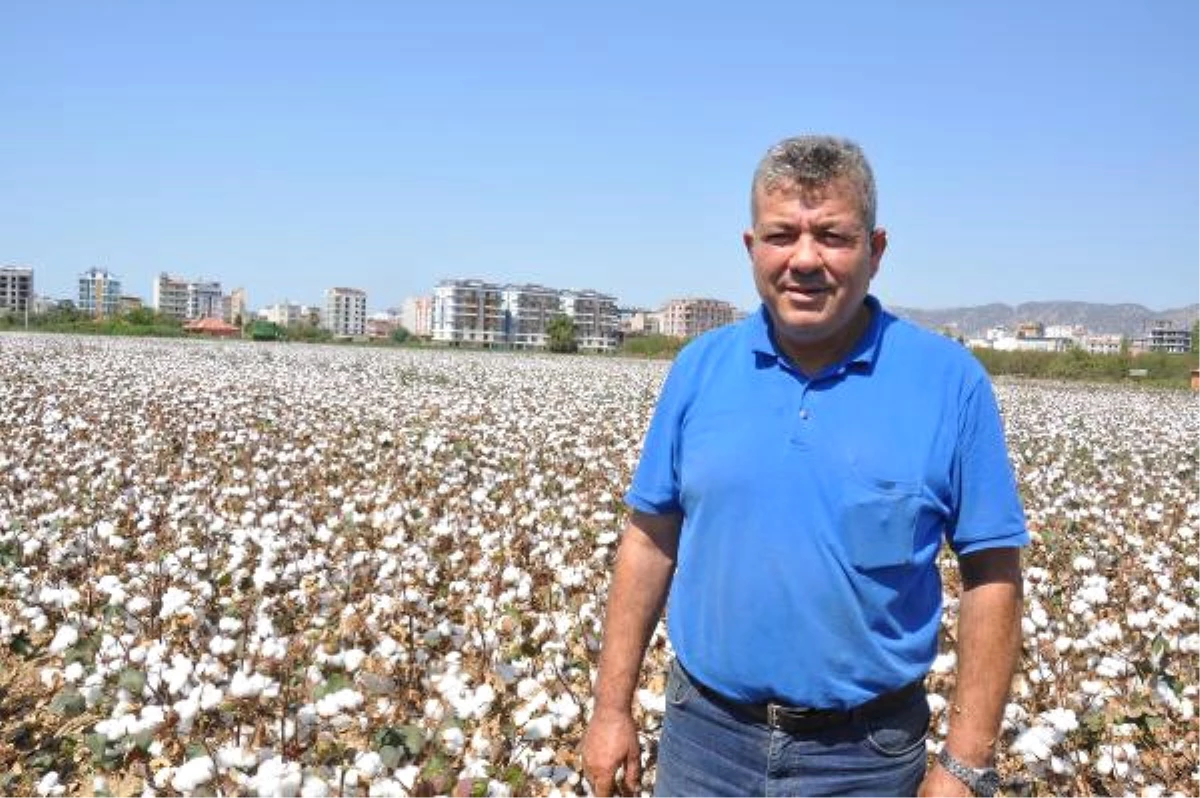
830,199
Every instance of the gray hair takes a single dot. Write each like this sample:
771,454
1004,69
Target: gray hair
814,162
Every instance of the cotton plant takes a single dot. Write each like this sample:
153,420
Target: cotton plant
249,569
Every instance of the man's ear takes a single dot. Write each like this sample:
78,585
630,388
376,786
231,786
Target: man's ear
878,243
748,240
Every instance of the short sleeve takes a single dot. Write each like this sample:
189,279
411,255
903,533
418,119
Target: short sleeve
987,511
655,488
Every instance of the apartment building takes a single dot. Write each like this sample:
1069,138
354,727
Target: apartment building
416,315
468,311
346,312
528,309
687,318
236,307
597,322
1164,336
511,315
1100,344
169,296
188,300
16,289
284,314
99,293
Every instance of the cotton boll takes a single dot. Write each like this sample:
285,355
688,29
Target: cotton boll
192,774
66,636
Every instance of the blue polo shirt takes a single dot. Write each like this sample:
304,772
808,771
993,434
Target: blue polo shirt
813,508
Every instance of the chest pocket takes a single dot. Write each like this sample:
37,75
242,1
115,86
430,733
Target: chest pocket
879,521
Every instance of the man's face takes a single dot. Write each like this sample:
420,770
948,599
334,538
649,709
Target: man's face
813,261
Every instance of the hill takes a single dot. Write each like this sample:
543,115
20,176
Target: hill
1123,319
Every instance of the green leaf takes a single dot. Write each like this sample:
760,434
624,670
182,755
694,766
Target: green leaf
83,652
132,680
97,744
21,646
336,681
414,739
391,756
68,702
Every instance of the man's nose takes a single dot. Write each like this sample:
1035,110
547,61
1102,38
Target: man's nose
805,256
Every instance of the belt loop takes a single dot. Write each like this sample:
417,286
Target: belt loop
773,715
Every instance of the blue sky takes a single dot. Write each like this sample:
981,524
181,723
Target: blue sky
1023,150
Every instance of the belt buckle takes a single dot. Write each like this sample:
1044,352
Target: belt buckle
773,715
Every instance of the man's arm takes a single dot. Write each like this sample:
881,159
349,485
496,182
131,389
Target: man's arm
641,580
989,644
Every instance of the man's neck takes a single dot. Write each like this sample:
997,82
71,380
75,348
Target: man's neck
813,357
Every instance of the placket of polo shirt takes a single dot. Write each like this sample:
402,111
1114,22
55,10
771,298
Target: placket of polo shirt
807,417
801,436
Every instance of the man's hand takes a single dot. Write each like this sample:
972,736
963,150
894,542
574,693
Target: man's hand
611,743
938,783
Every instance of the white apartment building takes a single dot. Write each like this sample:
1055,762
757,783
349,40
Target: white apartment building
416,316
99,293
284,314
491,314
346,312
468,311
528,309
187,300
1031,344
205,301
1100,344
689,317
16,289
1166,337
597,322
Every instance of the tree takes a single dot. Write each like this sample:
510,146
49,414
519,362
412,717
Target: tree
1196,335
561,330
400,335
142,317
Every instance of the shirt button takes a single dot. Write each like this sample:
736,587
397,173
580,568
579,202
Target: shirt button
804,414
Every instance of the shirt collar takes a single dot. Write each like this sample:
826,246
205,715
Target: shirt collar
759,333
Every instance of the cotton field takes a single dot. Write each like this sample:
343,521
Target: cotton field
240,569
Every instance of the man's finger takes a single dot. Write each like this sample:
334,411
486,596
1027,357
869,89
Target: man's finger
602,783
633,773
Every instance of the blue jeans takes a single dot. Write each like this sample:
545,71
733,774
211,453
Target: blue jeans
707,750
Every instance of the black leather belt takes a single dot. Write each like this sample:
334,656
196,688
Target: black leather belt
802,720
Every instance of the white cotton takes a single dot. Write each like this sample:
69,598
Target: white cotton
369,763
193,773
66,636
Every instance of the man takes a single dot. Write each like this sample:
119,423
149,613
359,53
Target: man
798,477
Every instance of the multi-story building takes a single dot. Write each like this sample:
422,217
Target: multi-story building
528,309
236,308
188,300
128,303
468,311
170,296
284,314
1164,336
346,312
597,323
16,289
491,314
687,318
1100,344
99,293
205,300
416,315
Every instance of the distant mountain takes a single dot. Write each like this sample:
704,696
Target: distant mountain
1124,319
